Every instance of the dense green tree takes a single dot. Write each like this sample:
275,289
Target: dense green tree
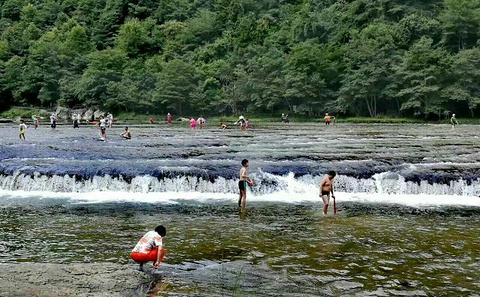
134,38
422,73
12,9
466,77
176,86
105,67
357,57
369,74
461,22
11,78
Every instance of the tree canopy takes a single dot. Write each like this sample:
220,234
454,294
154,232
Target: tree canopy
356,57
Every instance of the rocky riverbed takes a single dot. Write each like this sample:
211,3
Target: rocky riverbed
88,279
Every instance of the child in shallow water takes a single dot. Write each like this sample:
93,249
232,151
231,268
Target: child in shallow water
127,134
22,128
193,123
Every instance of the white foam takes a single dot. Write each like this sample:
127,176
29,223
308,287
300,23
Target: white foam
386,187
278,197
384,183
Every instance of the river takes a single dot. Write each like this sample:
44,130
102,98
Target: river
408,221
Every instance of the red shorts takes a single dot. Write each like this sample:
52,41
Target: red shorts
152,256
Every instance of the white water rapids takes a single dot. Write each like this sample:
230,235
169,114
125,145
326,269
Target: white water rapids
382,188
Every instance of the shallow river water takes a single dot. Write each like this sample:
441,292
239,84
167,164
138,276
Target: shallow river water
408,221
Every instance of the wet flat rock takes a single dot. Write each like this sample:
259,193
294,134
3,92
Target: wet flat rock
346,285
99,279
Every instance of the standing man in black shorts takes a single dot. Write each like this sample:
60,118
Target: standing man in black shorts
326,187
242,184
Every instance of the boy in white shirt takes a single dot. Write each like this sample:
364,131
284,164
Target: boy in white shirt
149,248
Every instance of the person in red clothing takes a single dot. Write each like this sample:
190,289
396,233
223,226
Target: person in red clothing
36,122
169,118
327,119
149,248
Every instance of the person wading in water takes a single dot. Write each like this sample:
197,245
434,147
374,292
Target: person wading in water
242,184
326,187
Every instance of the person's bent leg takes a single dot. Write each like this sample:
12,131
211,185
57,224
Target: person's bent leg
150,257
162,254
138,258
142,258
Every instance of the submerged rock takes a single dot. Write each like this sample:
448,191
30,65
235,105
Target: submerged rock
346,285
407,293
98,279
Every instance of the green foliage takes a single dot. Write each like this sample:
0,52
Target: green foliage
134,37
22,113
461,22
421,74
176,85
370,58
466,77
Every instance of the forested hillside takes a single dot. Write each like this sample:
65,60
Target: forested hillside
358,57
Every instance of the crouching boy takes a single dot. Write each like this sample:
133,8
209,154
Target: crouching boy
149,248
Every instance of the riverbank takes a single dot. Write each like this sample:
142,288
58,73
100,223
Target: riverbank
14,114
86,279
266,119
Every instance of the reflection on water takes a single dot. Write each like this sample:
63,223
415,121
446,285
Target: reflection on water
389,250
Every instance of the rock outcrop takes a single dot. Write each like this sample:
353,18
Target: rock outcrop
55,280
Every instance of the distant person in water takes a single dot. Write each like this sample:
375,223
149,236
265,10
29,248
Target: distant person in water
223,126
326,187
193,123
150,248
110,120
285,119
453,121
169,118
201,122
103,127
36,122
127,134
241,122
53,122
327,119
22,129
242,184
151,121
76,121
243,125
